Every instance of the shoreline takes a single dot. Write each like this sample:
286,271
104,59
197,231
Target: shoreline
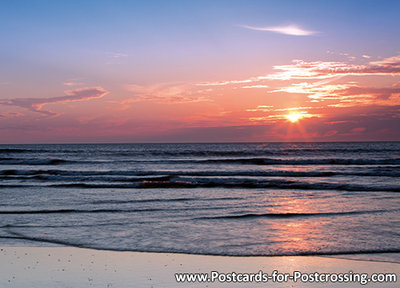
64,266
388,257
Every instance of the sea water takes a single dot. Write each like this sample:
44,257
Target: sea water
215,199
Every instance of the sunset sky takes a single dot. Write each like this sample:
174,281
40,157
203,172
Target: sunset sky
199,71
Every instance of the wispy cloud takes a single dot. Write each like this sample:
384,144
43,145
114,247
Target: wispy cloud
116,55
36,104
345,94
279,117
261,108
224,83
254,86
287,30
167,93
74,82
390,63
318,90
355,96
114,58
323,70
275,114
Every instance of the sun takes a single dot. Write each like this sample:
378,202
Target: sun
294,117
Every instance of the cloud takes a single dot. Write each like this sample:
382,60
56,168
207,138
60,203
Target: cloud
72,83
324,70
294,108
287,30
267,108
346,94
114,58
278,114
393,62
279,117
318,76
261,108
116,55
167,93
36,104
316,91
380,93
366,96
254,86
396,84
223,83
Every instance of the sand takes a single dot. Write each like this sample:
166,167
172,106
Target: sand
76,267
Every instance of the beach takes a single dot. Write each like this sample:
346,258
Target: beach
78,267
199,144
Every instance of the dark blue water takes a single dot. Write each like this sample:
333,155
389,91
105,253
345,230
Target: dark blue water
219,199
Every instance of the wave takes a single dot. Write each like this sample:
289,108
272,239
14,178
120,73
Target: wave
177,182
387,171
215,182
136,150
321,252
108,223
70,211
248,152
273,161
241,161
295,215
15,161
14,150
187,199
101,210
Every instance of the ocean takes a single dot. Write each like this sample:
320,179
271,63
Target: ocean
238,199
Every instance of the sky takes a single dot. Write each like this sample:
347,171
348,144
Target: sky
199,71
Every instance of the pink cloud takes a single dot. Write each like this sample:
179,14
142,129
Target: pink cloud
223,83
381,93
322,70
167,93
363,96
317,90
348,93
36,104
331,133
388,62
358,129
255,86
72,83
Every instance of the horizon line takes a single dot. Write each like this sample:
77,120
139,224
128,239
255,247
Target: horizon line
222,142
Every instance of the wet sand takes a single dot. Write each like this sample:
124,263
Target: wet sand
78,267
